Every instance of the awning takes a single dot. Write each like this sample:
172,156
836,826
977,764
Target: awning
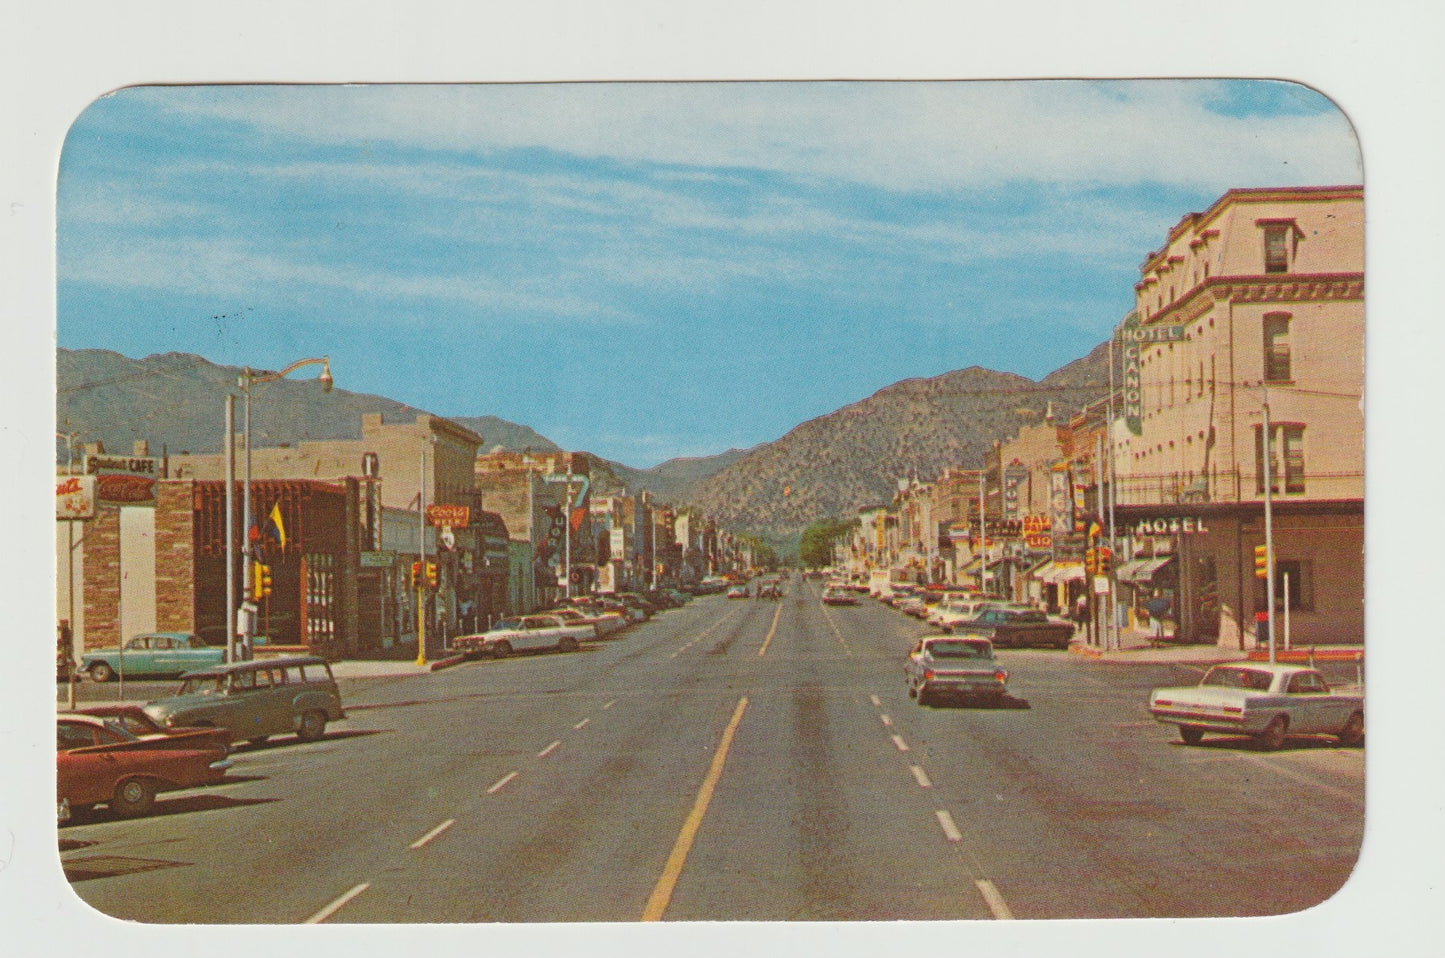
1126,571
1062,572
1145,569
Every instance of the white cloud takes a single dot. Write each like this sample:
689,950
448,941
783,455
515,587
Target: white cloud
892,135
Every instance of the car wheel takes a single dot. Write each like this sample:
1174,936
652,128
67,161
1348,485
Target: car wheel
501,650
924,697
313,726
1354,731
1191,734
1274,733
567,644
912,692
100,672
133,798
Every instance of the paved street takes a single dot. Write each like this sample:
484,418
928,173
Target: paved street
738,759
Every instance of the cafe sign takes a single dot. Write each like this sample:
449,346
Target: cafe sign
448,515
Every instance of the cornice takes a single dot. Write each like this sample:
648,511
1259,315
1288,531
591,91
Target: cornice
1285,288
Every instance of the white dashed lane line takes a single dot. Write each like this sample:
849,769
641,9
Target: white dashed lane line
887,720
337,905
609,705
995,901
581,724
501,782
950,830
877,703
898,741
921,776
420,842
548,750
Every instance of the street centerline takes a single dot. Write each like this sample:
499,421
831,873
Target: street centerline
502,781
662,893
898,740
548,750
950,830
772,631
581,724
921,776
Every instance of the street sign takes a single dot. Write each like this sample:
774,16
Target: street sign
378,560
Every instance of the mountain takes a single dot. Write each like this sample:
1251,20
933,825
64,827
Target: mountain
827,467
836,464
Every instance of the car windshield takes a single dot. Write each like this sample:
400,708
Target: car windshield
203,685
1238,678
507,624
959,650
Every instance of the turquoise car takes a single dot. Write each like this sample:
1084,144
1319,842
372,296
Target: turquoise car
152,654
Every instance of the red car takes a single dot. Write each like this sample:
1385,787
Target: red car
133,719
98,762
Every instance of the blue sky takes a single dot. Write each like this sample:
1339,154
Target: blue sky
650,270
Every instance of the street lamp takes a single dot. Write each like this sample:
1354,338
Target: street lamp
248,378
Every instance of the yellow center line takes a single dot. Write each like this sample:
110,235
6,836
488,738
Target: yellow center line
662,893
772,631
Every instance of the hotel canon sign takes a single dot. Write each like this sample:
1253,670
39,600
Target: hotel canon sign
1135,335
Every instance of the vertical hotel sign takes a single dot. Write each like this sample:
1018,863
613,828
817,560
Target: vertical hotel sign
1135,336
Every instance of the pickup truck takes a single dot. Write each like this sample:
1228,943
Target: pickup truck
152,654
525,634
962,666
1267,702
1017,627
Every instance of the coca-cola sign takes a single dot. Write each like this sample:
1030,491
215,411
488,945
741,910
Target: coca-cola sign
126,489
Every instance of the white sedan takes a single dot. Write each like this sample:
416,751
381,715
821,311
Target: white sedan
1268,702
525,634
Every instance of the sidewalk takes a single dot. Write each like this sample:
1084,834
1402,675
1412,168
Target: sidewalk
389,668
1136,646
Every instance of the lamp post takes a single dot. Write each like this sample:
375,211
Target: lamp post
248,378
70,438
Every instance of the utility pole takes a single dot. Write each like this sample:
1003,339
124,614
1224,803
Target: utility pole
421,564
229,445
1268,524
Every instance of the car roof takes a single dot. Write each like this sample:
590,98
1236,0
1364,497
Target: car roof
78,717
256,663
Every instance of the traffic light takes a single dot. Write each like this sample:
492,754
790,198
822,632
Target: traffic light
260,581
1261,562
1091,561
431,574
416,575
1106,559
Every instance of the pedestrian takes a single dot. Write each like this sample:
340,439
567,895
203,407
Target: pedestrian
1081,611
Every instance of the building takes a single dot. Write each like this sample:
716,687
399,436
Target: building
1247,335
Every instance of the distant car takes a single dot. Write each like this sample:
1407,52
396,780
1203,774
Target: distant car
1267,702
961,666
603,623
152,655
99,762
1006,626
912,605
738,592
528,633
256,699
838,596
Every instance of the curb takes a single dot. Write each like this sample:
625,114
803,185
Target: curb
1087,651
1307,655
440,664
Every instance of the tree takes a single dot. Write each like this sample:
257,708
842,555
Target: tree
815,548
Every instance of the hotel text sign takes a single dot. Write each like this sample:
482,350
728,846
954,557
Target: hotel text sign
1135,336
1170,527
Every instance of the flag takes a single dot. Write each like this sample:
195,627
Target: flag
275,529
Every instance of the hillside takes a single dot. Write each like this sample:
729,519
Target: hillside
838,463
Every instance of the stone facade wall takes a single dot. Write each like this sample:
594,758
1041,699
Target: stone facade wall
101,578
175,556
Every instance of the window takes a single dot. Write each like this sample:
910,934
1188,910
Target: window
1301,586
1276,348
1287,446
1276,248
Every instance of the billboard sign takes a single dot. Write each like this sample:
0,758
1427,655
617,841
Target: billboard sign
75,497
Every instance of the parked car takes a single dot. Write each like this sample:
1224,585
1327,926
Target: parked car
256,699
1017,627
945,665
152,655
838,596
956,607
134,720
98,762
602,623
912,605
528,633
738,592
1268,702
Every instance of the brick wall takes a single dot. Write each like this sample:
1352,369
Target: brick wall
100,577
175,556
